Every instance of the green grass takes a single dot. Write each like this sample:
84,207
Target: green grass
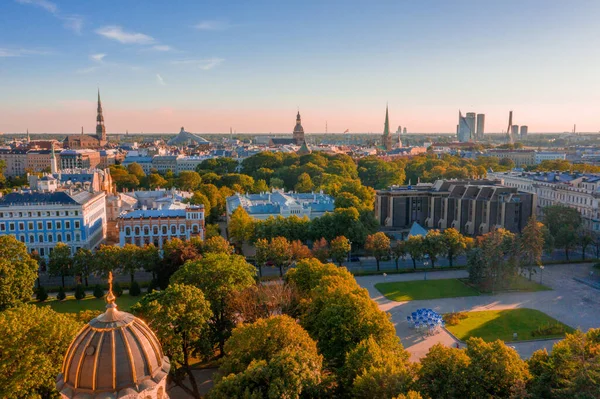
491,325
420,289
72,305
517,284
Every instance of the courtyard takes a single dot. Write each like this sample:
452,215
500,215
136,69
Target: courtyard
569,302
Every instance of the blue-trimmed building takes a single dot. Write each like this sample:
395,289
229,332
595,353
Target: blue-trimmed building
42,219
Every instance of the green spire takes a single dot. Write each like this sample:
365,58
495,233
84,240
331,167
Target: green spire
386,129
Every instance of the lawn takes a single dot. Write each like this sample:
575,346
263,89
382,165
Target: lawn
425,289
491,325
72,305
518,283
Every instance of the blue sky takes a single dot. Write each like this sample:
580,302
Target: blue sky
249,65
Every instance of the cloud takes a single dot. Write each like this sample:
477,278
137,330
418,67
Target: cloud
160,80
117,33
21,52
212,25
204,64
162,47
71,22
97,57
87,70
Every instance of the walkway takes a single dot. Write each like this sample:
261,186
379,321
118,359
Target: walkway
570,302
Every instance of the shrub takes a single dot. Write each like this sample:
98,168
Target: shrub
549,329
454,318
135,289
152,286
117,290
61,294
79,292
98,291
41,294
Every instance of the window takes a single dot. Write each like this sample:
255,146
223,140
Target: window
77,237
40,226
76,213
146,230
22,238
49,225
137,231
58,225
2,227
42,252
77,224
155,230
164,229
173,229
128,230
40,238
67,225
59,238
31,239
182,229
68,237
30,225
11,227
50,238
21,226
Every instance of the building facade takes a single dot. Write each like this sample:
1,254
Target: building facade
80,141
464,132
164,163
15,161
298,131
157,226
524,131
519,157
79,159
480,133
472,207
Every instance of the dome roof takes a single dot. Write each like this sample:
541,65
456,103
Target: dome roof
114,356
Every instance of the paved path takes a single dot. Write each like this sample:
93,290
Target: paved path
570,302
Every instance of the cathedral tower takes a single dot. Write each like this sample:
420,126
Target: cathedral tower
100,129
386,139
298,131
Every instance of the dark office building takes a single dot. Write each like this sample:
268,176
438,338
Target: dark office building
473,207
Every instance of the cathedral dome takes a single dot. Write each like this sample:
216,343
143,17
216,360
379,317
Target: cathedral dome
116,355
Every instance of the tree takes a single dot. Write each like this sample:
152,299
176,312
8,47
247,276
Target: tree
264,300
61,263
33,343
585,240
262,253
339,249
494,370
136,170
399,251
83,264
271,358
260,186
455,244
378,245
443,373
179,316
532,245
320,250
340,315
433,245
107,258
130,260
494,259
219,276
18,272
415,248
188,180
280,253
309,273
563,223
217,245
240,227
379,174
305,184
175,253
200,199
156,181
299,251
571,370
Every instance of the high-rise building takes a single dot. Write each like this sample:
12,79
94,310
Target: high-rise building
480,126
298,131
514,132
404,130
464,130
386,138
471,122
524,131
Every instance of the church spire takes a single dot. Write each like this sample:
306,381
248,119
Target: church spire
100,129
386,138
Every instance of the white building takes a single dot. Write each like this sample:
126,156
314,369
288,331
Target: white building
578,191
189,163
549,156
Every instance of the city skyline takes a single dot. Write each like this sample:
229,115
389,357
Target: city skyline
252,66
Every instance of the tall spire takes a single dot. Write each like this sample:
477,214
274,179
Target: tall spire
28,138
100,129
386,138
53,162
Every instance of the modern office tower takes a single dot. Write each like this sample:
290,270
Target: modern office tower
524,131
471,122
404,130
464,131
480,126
514,131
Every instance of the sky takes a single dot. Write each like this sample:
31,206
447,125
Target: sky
250,65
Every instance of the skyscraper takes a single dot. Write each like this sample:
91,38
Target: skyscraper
480,126
464,130
514,132
524,131
386,138
471,122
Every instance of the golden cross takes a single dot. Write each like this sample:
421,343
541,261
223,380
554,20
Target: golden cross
110,297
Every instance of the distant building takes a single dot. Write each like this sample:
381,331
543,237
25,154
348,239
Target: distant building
471,122
157,226
386,138
15,161
278,203
38,160
298,130
190,163
79,159
480,133
473,207
404,130
519,157
164,163
541,156
144,161
514,131
524,131
186,138
87,141
464,130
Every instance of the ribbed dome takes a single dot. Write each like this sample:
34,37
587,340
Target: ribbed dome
114,356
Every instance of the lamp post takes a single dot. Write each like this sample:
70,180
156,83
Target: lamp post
541,273
426,263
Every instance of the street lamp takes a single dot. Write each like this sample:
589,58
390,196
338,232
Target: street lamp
541,273
426,263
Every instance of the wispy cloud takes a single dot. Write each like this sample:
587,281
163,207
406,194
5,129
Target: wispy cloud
212,25
205,64
84,71
97,57
71,22
21,52
117,33
162,47
160,80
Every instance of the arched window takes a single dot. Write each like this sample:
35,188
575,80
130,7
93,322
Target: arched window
195,228
68,237
173,229
40,238
182,229
50,238
146,230
137,231
128,230
164,229
155,230
59,238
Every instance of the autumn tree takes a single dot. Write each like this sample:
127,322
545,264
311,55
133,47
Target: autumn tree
532,245
264,300
280,253
262,253
83,264
60,262
156,181
219,276
339,249
320,249
309,273
18,272
240,227
399,251
415,248
179,316
299,251
175,253
33,343
188,180
433,246
443,373
217,245
378,245
455,244
136,170
270,358
305,184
